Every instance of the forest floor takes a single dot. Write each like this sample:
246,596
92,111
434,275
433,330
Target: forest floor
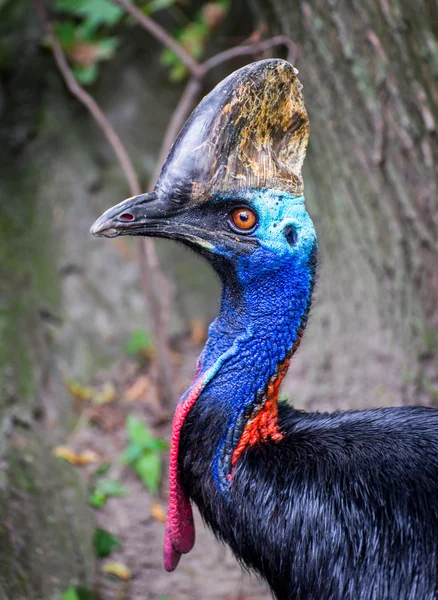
137,517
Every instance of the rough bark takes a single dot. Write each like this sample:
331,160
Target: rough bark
369,70
46,526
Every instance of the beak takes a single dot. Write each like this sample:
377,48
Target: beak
149,215
133,216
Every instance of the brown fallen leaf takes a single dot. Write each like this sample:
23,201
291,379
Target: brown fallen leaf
158,513
78,459
118,569
138,389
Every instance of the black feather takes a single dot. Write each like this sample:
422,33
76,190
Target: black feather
344,508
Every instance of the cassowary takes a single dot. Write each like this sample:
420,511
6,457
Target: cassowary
340,506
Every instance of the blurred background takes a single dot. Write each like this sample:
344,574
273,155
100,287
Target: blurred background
99,337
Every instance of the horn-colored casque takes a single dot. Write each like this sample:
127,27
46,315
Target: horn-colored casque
250,131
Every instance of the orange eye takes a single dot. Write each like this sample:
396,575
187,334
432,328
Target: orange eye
243,218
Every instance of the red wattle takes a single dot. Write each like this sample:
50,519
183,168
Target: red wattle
171,556
180,528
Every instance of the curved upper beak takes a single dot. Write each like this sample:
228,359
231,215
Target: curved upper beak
129,217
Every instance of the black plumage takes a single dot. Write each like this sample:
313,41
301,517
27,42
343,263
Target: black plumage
344,508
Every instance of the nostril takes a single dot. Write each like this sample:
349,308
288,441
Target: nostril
126,217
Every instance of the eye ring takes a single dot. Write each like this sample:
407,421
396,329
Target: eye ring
243,219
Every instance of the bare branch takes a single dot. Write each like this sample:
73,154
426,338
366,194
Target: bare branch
85,98
161,35
251,48
197,70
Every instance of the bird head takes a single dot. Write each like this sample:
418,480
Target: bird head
231,187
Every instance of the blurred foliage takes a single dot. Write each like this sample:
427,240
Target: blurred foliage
139,343
89,31
104,542
143,453
84,31
194,35
78,593
104,489
103,469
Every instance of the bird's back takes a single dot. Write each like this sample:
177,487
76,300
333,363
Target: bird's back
344,507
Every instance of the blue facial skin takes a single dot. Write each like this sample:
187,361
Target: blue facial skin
263,305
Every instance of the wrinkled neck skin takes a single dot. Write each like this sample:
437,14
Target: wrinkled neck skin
265,303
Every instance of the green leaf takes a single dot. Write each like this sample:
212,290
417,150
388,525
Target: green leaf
94,12
131,454
97,499
111,487
155,5
138,341
105,488
168,57
104,542
66,33
138,432
148,468
86,75
78,593
84,594
107,47
159,445
178,72
103,469
70,594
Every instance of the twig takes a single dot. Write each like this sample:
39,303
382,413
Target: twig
199,70
85,98
251,48
149,262
161,35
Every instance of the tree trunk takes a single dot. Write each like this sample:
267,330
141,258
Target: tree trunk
369,71
46,525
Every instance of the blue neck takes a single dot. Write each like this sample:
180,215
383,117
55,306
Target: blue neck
258,326
267,289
